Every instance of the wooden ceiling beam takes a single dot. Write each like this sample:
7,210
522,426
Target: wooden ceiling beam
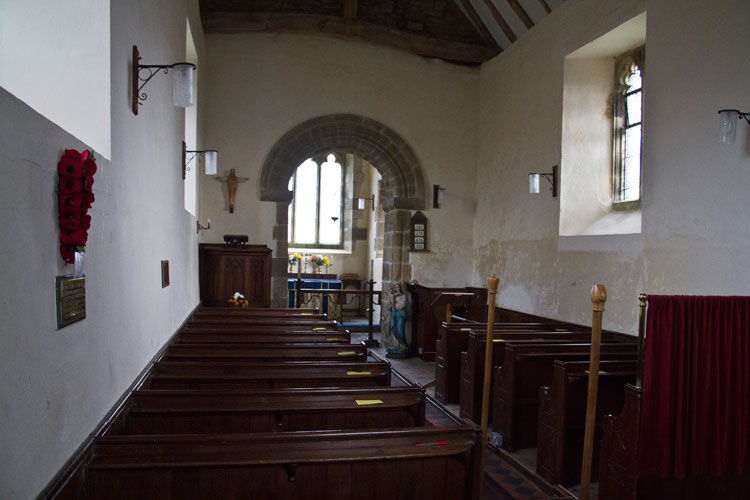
350,9
477,21
501,21
545,6
350,29
521,13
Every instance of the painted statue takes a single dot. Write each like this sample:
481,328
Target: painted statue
397,344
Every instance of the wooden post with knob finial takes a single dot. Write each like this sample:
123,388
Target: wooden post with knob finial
598,298
492,283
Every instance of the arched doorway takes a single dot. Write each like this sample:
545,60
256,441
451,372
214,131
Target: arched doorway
387,151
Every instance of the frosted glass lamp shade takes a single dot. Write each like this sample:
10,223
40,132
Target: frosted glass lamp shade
728,125
182,84
360,203
534,183
211,162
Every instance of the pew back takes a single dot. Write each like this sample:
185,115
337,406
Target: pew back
429,463
252,376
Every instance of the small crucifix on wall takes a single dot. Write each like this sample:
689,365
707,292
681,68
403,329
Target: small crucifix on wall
231,180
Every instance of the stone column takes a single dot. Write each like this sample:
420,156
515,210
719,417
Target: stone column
280,262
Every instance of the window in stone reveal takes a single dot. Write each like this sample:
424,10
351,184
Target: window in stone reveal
316,211
628,130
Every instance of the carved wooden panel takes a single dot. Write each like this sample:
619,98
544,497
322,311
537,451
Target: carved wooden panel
225,270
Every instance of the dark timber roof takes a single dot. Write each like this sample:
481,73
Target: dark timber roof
462,31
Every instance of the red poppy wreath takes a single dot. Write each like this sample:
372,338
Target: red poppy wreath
75,180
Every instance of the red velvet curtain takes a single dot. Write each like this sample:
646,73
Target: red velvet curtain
695,414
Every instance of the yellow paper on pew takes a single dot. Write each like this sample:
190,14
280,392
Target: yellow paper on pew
354,372
561,329
347,353
498,340
365,402
332,339
588,372
307,314
319,328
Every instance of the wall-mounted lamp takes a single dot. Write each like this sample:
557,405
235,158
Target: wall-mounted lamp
199,227
209,155
438,195
552,178
728,124
182,80
361,203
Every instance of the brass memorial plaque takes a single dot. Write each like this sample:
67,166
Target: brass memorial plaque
71,300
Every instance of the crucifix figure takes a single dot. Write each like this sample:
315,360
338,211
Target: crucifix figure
232,180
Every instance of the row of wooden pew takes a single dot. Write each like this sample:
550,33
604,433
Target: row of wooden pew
539,386
274,404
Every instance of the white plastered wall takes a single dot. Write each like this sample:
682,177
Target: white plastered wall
694,236
57,385
55,57
262,85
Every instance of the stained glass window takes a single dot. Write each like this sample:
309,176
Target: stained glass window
628,129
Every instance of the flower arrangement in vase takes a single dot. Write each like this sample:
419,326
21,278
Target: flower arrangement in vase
238,300
318,261
294,258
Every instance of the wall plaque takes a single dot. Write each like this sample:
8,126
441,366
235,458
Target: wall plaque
71,300
418,236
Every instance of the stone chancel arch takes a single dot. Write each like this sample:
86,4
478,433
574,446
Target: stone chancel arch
372,141
357,135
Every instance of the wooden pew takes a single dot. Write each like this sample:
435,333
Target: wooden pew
472,361
265,352
525,368
270,321
199,336
562,414
231,412
425,320
253,312
253,376
453,339
428,463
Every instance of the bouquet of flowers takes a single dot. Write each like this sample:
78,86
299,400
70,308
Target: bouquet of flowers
294,258
238,300
320,261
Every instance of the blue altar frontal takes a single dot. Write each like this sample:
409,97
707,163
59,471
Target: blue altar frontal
313,284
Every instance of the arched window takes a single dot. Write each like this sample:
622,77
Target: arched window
628,130
316,211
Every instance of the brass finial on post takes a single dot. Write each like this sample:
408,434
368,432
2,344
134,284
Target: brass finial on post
598,298
492,283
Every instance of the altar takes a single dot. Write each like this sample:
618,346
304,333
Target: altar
328,282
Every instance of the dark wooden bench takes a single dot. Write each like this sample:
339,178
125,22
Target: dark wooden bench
453,339
199,336
253,312
525,368
268,321
472,362
562,415
252,376
429,463
265,352
231,412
